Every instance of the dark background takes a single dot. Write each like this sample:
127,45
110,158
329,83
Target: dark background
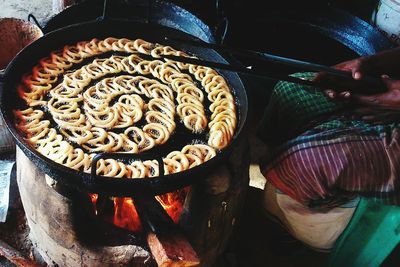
254,8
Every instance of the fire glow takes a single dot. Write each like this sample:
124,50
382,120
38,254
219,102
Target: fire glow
125,214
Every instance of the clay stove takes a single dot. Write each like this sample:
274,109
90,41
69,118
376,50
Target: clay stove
69,230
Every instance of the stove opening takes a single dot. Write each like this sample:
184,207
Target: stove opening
121,211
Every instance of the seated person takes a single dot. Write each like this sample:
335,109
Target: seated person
328,148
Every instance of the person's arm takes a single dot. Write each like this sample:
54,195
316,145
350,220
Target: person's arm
386,62
382,63
378,108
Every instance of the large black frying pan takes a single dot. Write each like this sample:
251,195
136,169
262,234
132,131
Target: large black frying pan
55,40
315,33
149,11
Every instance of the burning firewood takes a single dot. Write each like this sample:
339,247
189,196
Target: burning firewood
15,256
172,250
168,245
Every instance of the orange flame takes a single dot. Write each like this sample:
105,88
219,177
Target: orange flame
173,203
125,214
93,198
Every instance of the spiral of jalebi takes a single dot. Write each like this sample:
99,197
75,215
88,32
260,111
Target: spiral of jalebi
111,104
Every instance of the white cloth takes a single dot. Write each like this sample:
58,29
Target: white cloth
319,230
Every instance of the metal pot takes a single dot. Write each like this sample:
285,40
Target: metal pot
15,34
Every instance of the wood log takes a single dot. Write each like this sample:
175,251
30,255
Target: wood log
171,249
15,256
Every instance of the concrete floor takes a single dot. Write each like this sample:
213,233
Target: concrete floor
41,9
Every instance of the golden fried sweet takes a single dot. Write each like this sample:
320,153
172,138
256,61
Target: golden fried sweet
99,102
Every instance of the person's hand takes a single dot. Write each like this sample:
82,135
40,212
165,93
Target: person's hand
376,109
380,108
358,67
385,62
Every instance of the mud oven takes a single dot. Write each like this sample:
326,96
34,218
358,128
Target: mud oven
72,228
